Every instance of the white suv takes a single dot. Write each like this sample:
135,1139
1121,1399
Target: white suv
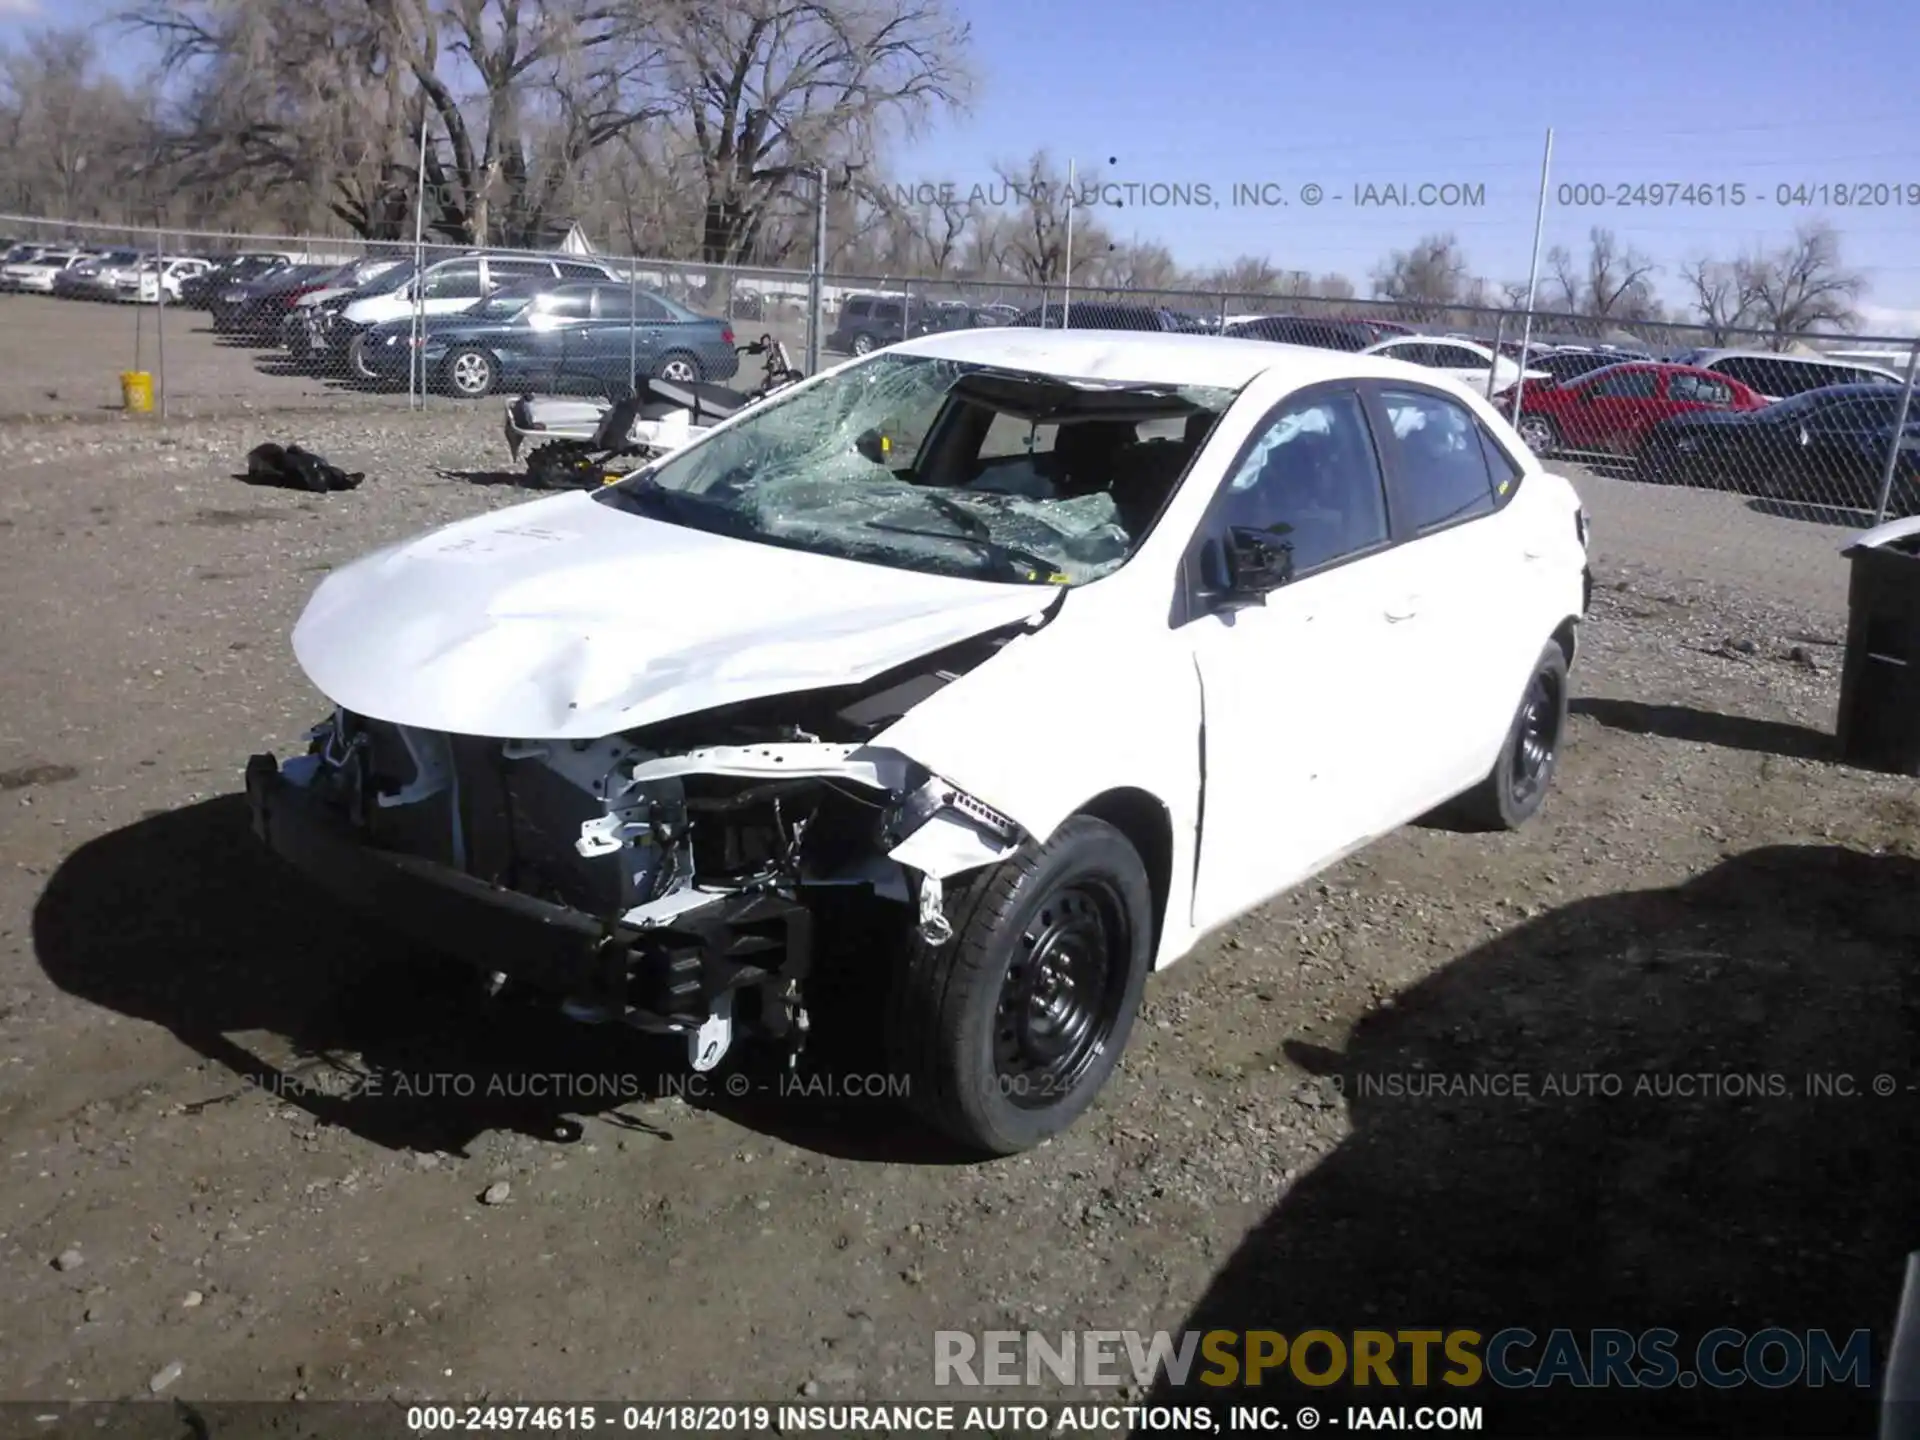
1779,377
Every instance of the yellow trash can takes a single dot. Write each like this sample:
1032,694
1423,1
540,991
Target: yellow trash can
136,391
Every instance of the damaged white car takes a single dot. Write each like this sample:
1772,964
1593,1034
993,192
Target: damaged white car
1042,653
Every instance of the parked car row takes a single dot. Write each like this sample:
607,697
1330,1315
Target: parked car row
469,324
1804,426
116,275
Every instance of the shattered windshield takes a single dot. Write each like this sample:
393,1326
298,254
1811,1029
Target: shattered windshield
933,465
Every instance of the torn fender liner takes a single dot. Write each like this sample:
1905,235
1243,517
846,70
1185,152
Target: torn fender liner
564,619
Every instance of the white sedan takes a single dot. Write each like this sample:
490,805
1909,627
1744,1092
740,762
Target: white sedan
144,285
1467,361
37,275
1021,660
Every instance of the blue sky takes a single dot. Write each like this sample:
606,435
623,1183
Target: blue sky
1762,94
1216,93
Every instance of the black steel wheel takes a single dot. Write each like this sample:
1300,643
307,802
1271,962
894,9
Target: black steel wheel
1006,1032
1061,993
1517,787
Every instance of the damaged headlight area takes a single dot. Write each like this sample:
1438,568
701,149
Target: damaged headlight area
669,886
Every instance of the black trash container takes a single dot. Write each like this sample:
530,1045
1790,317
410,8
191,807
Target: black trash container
1879,725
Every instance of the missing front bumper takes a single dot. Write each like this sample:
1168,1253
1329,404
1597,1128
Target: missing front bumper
671,976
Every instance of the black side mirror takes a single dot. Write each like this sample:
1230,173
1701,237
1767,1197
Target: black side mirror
1258,561
874,446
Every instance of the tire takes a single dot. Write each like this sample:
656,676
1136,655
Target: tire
470,373
1515,789
1540,433
677,365
862,344
949,1030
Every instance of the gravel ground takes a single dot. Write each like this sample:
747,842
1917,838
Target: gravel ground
62,359
210,1162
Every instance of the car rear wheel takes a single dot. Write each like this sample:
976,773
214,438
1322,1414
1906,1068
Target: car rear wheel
677,366
470,373
1515,789
1007,1031
1540,433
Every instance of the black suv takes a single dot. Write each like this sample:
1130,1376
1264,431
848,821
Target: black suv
868,322
1099,315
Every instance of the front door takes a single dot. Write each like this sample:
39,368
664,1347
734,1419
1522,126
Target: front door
1298,689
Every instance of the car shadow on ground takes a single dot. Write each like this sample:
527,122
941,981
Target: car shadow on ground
1660,1108
183,920
1846,517
1709,727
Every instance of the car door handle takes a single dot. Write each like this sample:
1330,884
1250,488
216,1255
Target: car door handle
1404,608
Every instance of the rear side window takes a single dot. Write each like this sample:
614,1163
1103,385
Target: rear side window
1698,390
1746,371
1633,385
1441,457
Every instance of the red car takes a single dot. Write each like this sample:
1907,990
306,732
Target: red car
1611,408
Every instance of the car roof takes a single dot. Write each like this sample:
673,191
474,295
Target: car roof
1707,357
1135,357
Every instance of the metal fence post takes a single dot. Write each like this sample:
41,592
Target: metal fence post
1533,279
1493,370
633,321
160,313
817,271
1894,442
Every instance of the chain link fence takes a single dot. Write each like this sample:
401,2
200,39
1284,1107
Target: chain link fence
201,323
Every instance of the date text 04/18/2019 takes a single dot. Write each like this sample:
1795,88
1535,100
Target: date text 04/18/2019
1787,194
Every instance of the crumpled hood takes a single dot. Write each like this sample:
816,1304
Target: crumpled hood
568,619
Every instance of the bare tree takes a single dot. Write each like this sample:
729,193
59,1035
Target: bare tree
1803,287
1138,265
771,87
1035,230
939,227
74,138
1722,296
1428,279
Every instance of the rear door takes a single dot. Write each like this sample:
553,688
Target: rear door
622,339
1470,573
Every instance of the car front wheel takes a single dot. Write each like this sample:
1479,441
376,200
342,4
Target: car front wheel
863,344
1006,1032
1540,433
1514,791
471,373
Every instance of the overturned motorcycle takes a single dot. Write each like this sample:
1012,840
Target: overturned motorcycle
581,442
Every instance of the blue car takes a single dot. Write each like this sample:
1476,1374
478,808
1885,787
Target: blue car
555,338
